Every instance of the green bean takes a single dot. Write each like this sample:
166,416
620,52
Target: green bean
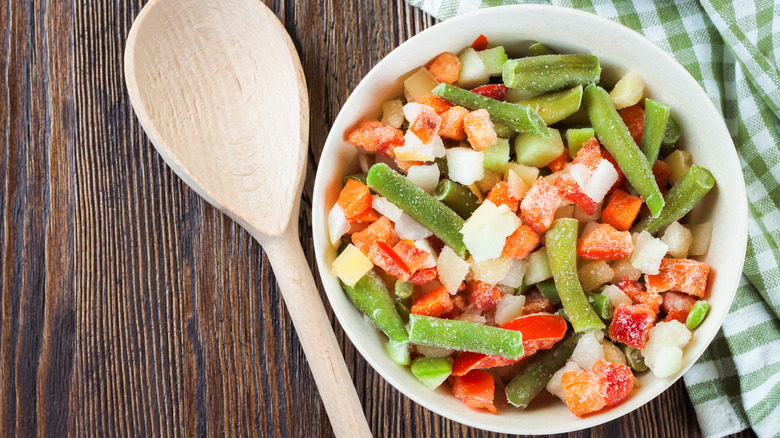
562,313
615,137
601,304
503,131
465,336
432,371
399,352
538,371
562,252
496,157
443,168
671,132
457,197
422,207
371,297
360,177
521,118
404,308
523,288
633,357
548,289
697,314
551,72
538,49
557,105
656,117
576,137
403,289
680,199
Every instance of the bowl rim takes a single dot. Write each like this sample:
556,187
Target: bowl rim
319,214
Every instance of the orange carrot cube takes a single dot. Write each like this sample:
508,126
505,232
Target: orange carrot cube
661,172
412,256
639,295
380,231
476,389
559,163
605,243
539,205
424,276
634,118
582,391
677,306
435,303
589,155
452,123
437,103
521,243
621,210
406,164
483,296
501,194
480,44
354,199
383,256
445,67
373,136
426,125
680,275
479,129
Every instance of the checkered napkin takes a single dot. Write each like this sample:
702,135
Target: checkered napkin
732,48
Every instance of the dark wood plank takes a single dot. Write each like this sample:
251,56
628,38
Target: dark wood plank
129,306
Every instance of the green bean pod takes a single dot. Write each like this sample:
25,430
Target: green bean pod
422,207
432,371
457,197
697,314
656,117
548,289
671,132
371,297
551,72
562,252
465,336
557,105
399,352
634,357
615,137
359,177
403,289
539,49
533,377
601,305
680,199
521,118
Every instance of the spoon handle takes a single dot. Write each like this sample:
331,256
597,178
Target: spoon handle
308,315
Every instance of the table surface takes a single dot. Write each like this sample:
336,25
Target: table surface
129,306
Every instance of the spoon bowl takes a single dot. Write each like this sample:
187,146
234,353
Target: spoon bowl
218,87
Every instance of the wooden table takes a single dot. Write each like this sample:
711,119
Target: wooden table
129,306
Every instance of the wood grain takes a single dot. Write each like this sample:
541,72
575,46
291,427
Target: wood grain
130,307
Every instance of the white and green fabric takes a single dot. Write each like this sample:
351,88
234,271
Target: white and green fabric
732,48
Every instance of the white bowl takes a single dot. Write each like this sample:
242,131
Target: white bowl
619,49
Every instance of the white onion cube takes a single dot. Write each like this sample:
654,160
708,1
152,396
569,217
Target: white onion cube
514,278
408,228
616,295
424,177
588,351
464,165
648,252
601,181
425,246
338,225
491,271
509,308
452,269
485,232
386,208
678,239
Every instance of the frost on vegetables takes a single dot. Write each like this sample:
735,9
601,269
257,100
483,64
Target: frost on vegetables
505,248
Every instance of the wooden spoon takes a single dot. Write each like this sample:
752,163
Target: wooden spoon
218,87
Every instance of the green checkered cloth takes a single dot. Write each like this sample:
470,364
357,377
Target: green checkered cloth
732,49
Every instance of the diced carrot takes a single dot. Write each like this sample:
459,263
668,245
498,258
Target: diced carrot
502,194
568,187
452,123
424,276
479,129
437,103
373,136
605,243
589,155
354,199
365,217
661,172
677,305
680,275
621,180
621,210
435,303
559,163
382,255
476,389
539,205
483,296
617,381
445,67
521,243
412,256
426,125
639,295
405,165
535,302
634,118
479,44
380,231
582,390
631,324
493,91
